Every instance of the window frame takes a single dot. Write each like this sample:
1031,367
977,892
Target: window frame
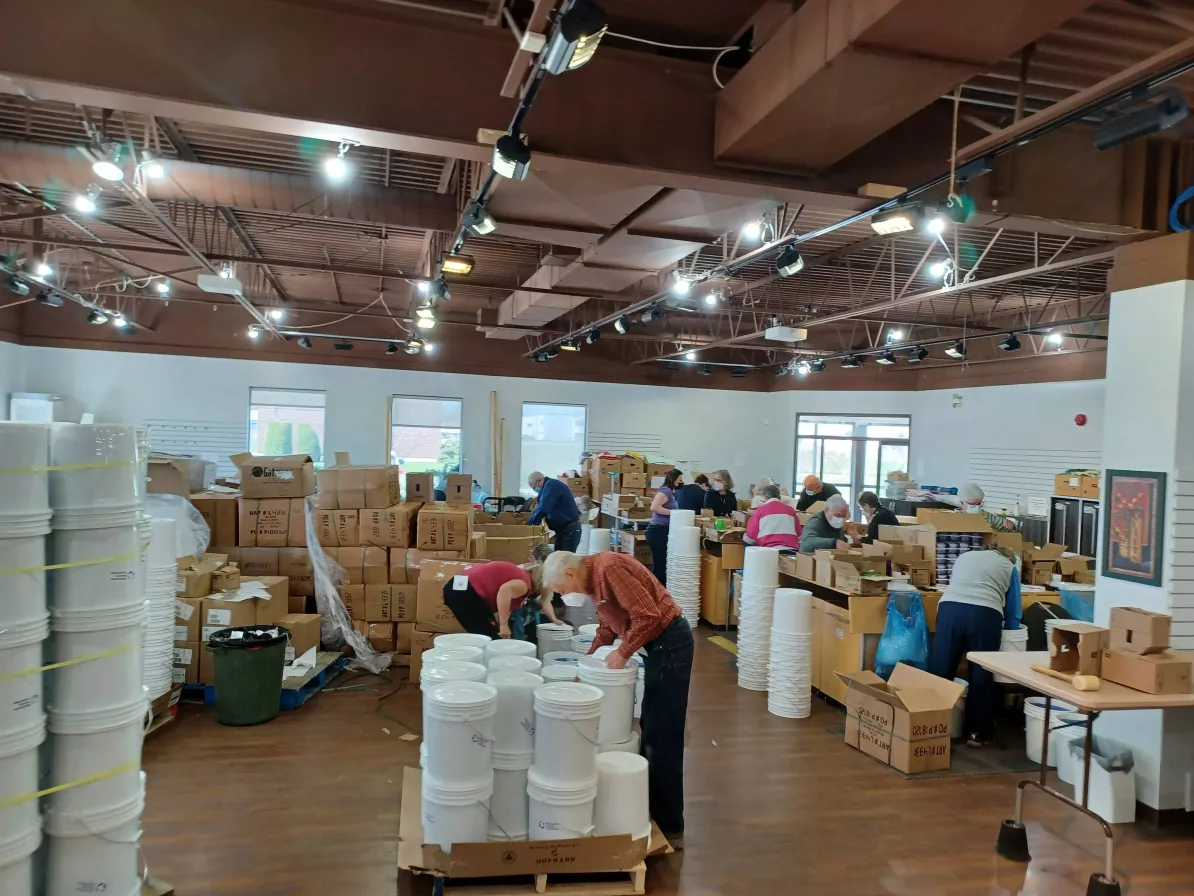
522,486
858,482
391,423
302,407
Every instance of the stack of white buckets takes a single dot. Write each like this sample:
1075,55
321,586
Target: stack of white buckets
161,573
684,564
789,676
760,578
515,758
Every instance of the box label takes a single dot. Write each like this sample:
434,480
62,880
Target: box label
180,633
219,618
182,655
209,630
459,583
183,611
178,676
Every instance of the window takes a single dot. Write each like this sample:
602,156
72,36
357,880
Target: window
425,435
287,421
855,454
553,439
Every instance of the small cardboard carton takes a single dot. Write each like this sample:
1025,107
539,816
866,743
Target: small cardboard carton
405,565
298,605
389,527
258,561
919,572
848,577
362,566
445,527
295,565
1041,563
655,471
281,476
1067,486
226,611
194,576
431,613
806,567
338,528
1153,673
221,513
186,662
876,549
477,549
420,487
274,605
904,721
379,634
634,465
354,600
271,522
1089,486
951,520
1139,631
352,486
1076,568
578,485
513,543
304,633
459,488
168,477
390,603
1078,647
188,619
825,559
633,480
226,578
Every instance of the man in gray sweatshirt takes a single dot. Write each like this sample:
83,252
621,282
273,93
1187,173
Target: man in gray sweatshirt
825,529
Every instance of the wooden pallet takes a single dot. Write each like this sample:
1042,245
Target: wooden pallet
295,691
163,710
618,883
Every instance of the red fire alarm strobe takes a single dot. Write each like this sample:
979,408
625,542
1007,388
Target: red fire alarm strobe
1080,419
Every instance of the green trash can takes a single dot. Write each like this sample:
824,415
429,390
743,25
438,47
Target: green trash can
248,667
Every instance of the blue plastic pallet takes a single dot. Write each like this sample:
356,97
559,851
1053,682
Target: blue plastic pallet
294,694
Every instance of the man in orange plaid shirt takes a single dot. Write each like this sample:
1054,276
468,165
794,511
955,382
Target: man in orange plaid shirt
633,606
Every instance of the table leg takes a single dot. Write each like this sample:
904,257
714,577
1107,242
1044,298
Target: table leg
1044,773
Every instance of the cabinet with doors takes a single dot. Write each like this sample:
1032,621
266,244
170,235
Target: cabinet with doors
1074,522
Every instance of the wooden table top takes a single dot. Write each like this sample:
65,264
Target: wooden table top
1110,696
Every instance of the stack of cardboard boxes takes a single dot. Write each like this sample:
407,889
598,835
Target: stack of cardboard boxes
631,475
1133,652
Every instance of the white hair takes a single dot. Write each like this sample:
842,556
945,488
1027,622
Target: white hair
557,563
835,503
971,493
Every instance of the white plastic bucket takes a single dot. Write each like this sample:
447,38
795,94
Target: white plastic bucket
508,806
88,744
24,592
792,612
621,806
639,688
581,644
455,814
24,480
599,541
507,647
628,746
566,719
617,704
458,720
106,683
515,664
682,518
450,670
559,810
463,639
162,552
760,566
113,584
514,728
1012,641
104,458
552,638
591,629
100,862
16,864
462,654
556,657
1034,721
24,525
957,722
21,695
559,672
19,778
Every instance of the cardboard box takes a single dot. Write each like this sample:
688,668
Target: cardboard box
207,667
226,578
188,619
903,722
806,567
1040,563
419,642
390,603
848,577
513,543
1078,647
634,480
299,605
1139,631
658,471
226,611
389,527
295,565
168,477
221,513
403,636
405,564
194,576
362,566
952,520
260,561
445,527
268,610
477,548
1153,673
633,465
431,614
1067,486
578,485
265,522
1075,567
282,476
186,662
919,572
354,600
459,488
1090,486
304,633
347,486
379,634
420,487
338,528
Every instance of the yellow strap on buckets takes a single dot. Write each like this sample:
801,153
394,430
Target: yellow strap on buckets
60,468
79,782
74,565
82,659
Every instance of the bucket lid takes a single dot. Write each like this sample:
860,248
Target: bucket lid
463,639
514,663
100,719
16,742
514,679
560,656
462,694
553,630
461,654
596,668
567,694
504,647
452,670
559,672
455,793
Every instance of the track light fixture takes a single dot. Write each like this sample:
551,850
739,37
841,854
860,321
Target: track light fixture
150,166
690,356
936,225
107,164
575,38
712,298
918,354
96,317
277,315
342,346
816,365
43,269
391,349
120,322
162,287
1010,344
428,348
49,299
652,314
426,311
752,230
1054,338
456,263
87,203
336,167
681,285
886,359
304,342
425,323
851,363
1156,114
593,335
939,269
789,262
17,286
622,325
803,368
436,290
477,220
414,345
424,287
902,219
957,350
539,357
739,372
511,158
570,345
254,331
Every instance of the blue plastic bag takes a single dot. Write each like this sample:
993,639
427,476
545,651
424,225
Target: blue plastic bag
905,634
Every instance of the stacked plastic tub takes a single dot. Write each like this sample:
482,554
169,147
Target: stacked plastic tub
562,781
513,745
789,677
24,525
684,564
760,578
161,572
97,697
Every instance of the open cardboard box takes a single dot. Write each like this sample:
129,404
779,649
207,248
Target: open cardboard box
849,577
588,855
1139,631
1077,648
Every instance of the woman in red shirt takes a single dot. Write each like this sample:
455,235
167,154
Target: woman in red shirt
487,599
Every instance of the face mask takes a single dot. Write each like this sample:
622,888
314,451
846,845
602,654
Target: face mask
719,486
867,512
679,485
809,492
974,508
836,521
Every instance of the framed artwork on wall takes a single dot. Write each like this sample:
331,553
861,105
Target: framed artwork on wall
1134,526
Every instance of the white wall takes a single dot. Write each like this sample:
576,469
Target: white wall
10,374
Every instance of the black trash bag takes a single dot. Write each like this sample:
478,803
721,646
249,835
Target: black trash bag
248,637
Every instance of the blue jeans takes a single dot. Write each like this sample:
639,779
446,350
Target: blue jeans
960,629
668,669
657,542
568,537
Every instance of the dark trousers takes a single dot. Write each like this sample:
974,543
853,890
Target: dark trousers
665,708
962,628
470,610
657,542
568,537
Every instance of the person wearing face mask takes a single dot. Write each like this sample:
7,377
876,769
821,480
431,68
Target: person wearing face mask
662,506
692,496
758,499
775,524
876,515
814,491
720,499
969,499
824,529
557,507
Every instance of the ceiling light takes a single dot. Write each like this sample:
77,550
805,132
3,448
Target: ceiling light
897,220
739,372
277,315
803,368
936,225
651,314
477,220
816,366
49,299
226,272
391,349
570,345
681,286
43,270
152,167
1159,114
1010,344
254,331
511,158
163,287
455,263
425,323
957,350
690,356
712,299
575,38
342,346
438,290
938,269
1054,338
592,336
96,317
85,202
782,370
304,342
335,167
107,169
851,362
886,359
895,335
428,348
119,321
539,357
414,345
426,311
622,325
423,286
752,230
918,354
17,286
789,262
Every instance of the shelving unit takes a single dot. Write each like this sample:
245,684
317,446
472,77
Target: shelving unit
1074,522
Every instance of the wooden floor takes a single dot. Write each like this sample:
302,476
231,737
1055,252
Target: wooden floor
308,804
